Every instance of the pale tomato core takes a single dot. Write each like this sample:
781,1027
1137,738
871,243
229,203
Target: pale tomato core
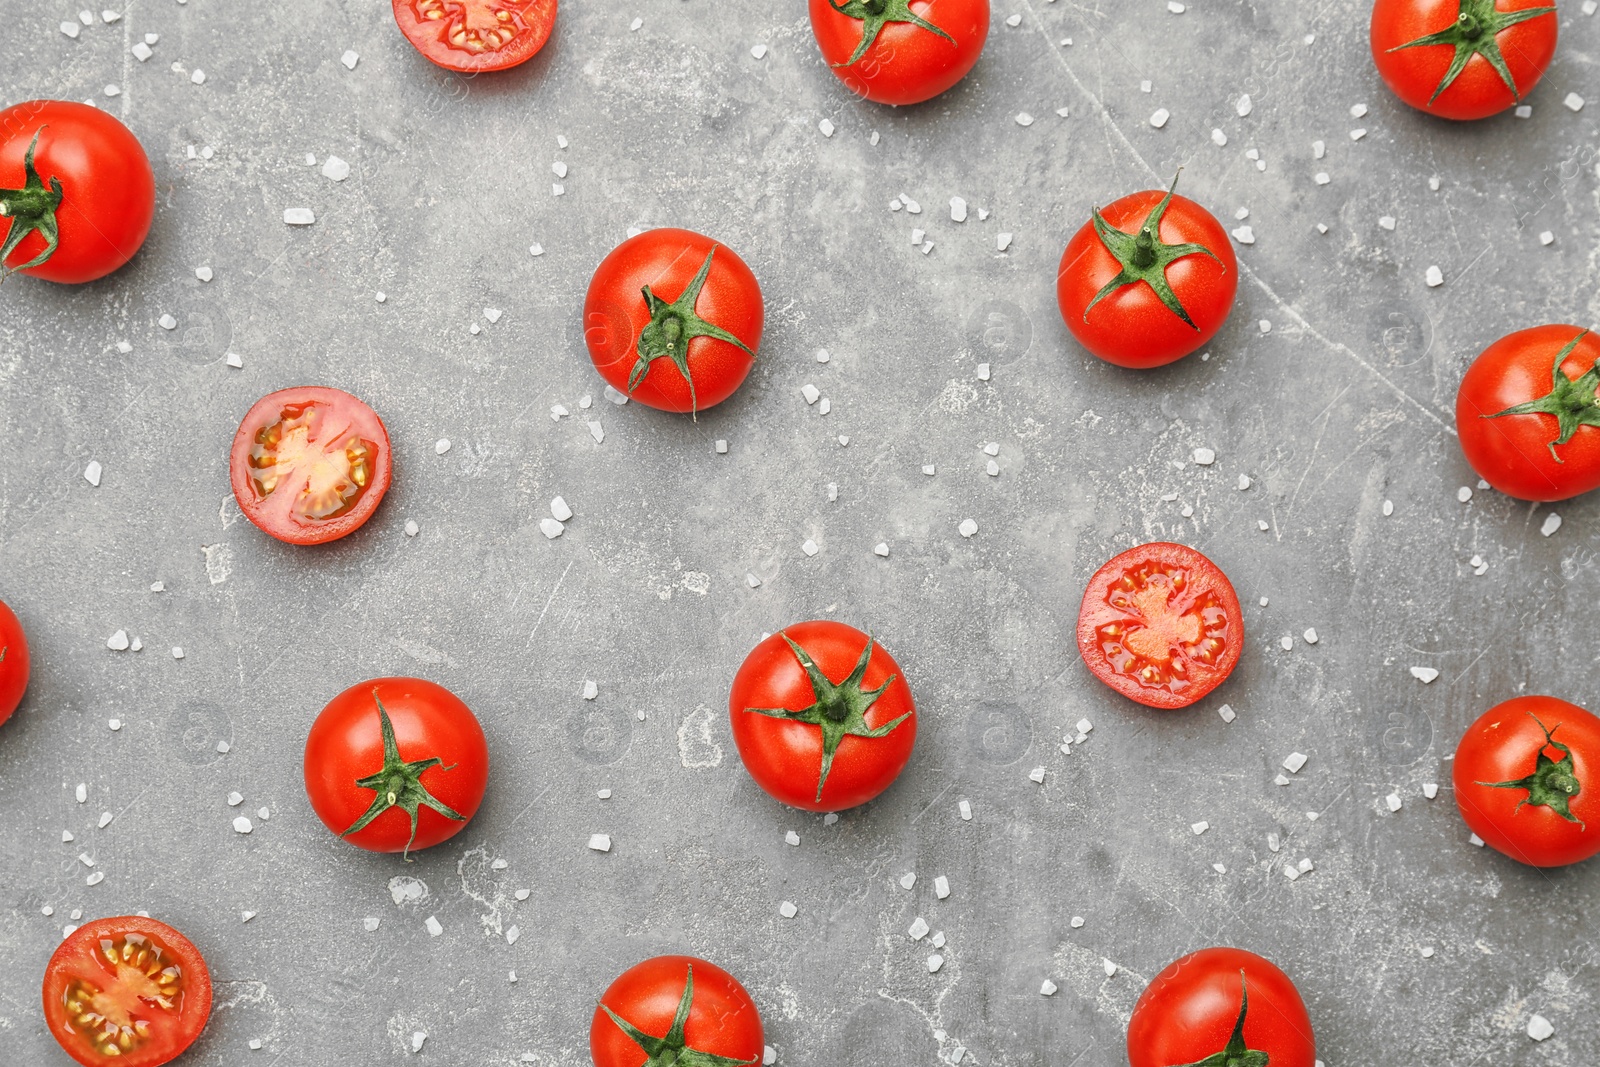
1162,627
113,1009
327,469
476,26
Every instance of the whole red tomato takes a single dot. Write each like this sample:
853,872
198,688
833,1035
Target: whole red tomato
673,319
1148,280
1526,413
130,991
676,1009
76,191
1161,625
310,464
13,662
900,51
1524,780
1463,59
813,742
476,36
1222,1006
396,764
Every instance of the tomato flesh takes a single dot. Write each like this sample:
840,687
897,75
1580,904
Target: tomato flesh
129,991
1160,624
476,35
310,465
14,662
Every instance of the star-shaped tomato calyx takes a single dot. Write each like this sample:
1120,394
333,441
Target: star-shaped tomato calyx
1553,783
1144,257
671,328
875,15
672,1050
1236,1053
399,784
840,711
1474,32
31,209
1571,400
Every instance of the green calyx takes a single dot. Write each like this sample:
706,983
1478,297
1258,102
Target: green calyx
1144,257
1475,32
1571,400
1553,783
31,209
875,15
1236,1053
671,328
672,1050
399,784
839,710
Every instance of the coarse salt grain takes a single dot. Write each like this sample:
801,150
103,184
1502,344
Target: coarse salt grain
1160,117
1425,675
600,842
1227,713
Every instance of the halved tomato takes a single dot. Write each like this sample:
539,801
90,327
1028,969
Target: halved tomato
129,991
1161,624
476,35
310,464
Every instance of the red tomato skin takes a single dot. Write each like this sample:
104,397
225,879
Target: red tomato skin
1132,327
1510,452
1188,1012
286,528
785,758
1415,73
14,668
906,64
723,1019
667,260
70,958
108,192
1097,590
346,744
1503,746
427,36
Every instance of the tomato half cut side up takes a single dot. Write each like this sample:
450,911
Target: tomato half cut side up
310,464
129,991
475,36
1161,625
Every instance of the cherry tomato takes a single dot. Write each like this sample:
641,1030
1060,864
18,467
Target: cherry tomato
1222,1006
310,464
1463,59
673,319
13,662
823,716
475,36
396,764
1526,413
77,188
676,1009
1525,781
1161,624
128,991
1148,280
900,52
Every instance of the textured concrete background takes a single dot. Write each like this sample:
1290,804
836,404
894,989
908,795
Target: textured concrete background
1342,403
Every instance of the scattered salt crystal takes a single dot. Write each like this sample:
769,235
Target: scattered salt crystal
1002,242
1110,968
1291,873
908,880
600,842
919,929
91,473
1547,238
1047,988
95,879
1475,841
941,887
1261,524
759,51
335,169
1552,523
1387,222
1243,105
1574,102
551,528
167,322
965,809
441,446
1024,119
118,642
1311,636
105,819
536,249
1434,277
810,547
1264,325
1200,827
826,127
967,528
1245,235
788,910
983,372
1427,952
1321,177
242,825
299,216
1388,508
881,549
246,916
223,748
1244,482
235,799
421,1035
752,581
1430,789
1356,135
1280,781
350,59
1294,762
1227,713
412,529
71,29
934,963
958,209
1393,800
1219,868
198,77
559,508
1424,674
141,51
1036,775
1205,457
1077,922
1305,866
1219,138
1539,1027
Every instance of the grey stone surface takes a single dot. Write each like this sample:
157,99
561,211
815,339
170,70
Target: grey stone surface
1345,403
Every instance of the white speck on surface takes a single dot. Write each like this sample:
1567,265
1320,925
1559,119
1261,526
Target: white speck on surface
826,126
769,1056
95,879
421,1035
299,216
141,51
759,51
1424,675
1573,101
908,880
967,528
167,322
113,90
235,799
983,372
788,910
1077,922
721,447
1047,988
441,446
246,916
1227,713
1219,138
1036,775
205,274
91,473
1265,326
919,929
1292,873
105,819
1245,235
600,842
1321,177
1244,482
1475,841
1110,968
881,549
71,29
965,810
791,838
1294,762
1393,801
335,169
810,547
1430,789
118,642
941,887
242,825
350,59
1002,242
1387,222
1434,277
1539,1027
1464,494
590,690
1552,523
1310,636
1356,135
412,529
1024,119
635,24
223,748
1205,457
536,249
1547,238
1388,508
559,509
958,209
1200,827
551,528
116,724
934,963
1160,117
1243,105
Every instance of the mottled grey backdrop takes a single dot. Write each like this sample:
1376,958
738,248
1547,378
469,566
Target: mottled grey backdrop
1331,387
